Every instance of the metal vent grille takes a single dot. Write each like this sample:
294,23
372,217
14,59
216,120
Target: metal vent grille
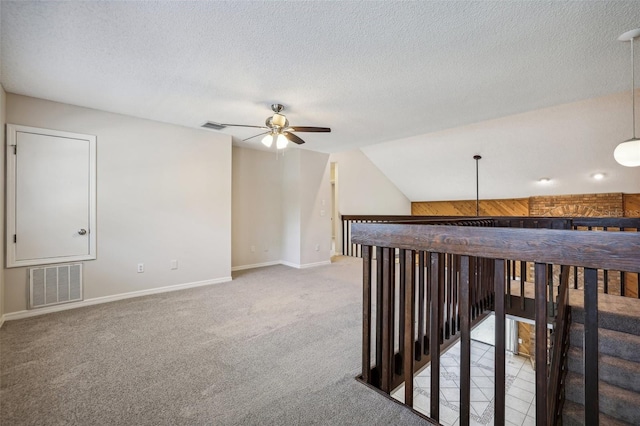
54,285
214,126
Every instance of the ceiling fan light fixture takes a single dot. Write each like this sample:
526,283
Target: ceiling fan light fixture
281,142
279,120
627,153
267,140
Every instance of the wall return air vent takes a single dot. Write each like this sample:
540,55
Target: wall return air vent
53,285
214,126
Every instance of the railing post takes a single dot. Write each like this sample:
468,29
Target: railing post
379,308
541,343
499,389
409,317
465,341
402,283
421,302
366,314
386,371
435,322
591,376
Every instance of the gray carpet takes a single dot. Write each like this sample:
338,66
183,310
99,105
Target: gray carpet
276,346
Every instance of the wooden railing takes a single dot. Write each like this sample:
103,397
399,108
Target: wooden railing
453,273
609,281
349,248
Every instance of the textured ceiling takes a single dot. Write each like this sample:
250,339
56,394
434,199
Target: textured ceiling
372,71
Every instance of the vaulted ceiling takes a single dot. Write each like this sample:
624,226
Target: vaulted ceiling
375,72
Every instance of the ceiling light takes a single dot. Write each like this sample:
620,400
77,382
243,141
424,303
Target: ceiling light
279,120
544,180
282,142
267,140
627,153
598,176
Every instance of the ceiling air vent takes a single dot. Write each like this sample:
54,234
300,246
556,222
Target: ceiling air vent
214,126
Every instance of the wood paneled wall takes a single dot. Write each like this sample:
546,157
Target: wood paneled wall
507,207
631,205
584,205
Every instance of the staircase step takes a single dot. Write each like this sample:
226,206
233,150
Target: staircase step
616,371
573,415
615,402
614,312
610,342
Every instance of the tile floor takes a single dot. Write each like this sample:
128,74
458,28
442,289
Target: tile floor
520,388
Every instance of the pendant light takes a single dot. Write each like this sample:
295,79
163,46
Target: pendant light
627,153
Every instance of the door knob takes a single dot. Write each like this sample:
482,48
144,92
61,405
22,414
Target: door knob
82,231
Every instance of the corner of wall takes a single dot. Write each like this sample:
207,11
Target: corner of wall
3,121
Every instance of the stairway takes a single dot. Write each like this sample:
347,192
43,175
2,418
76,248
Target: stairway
619,362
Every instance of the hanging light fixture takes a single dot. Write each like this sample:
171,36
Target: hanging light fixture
627,153
268,140
281,142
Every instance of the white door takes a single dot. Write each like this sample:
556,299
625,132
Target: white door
53,196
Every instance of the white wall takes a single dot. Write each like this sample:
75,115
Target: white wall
291,207
364,189
567,143
163,193
3,110
256,207
315,207
278,204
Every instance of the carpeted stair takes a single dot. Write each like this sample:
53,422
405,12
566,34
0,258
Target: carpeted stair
619,364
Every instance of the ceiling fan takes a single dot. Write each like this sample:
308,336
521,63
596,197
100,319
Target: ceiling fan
277,129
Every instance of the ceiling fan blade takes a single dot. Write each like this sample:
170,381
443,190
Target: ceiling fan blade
309,129
244,125
255,136
293,138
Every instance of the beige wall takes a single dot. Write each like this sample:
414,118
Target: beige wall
256,207
3,110
364,189
305,184
278,205
163,193
290,243
361,188
315,208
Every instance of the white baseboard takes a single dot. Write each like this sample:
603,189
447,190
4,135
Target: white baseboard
106,299
281,262
255,265
305,265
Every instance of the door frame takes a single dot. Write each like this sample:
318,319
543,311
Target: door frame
12,131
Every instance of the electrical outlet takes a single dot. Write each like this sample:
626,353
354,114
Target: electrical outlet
140,267
174,264
317,247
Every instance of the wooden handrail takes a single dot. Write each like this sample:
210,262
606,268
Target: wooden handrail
613,250
609,222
